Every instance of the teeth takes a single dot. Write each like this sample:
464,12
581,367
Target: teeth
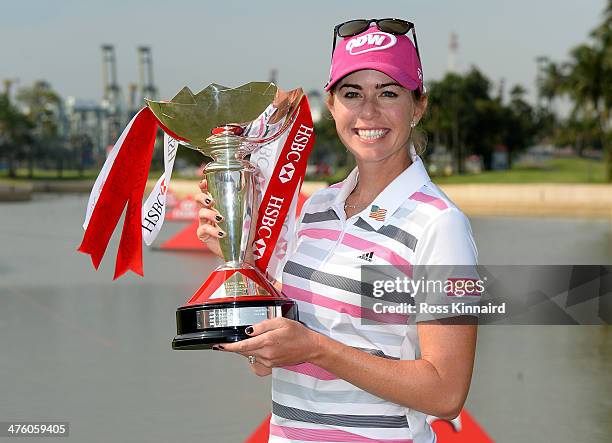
371,134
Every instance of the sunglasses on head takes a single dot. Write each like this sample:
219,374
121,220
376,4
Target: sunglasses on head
394,26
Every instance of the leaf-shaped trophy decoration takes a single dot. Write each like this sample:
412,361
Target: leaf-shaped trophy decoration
192,117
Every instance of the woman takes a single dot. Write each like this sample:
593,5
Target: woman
336,376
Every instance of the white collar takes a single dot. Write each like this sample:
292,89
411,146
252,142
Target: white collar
391,198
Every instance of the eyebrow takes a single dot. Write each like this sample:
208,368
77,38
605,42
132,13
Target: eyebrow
378,86
384,85
350,85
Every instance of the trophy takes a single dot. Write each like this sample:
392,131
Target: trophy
225,125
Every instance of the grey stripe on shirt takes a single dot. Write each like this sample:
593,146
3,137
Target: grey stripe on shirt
314,217
344,283
378,338
335,281
353,396
344,420
393,232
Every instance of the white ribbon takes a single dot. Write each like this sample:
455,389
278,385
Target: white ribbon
154,207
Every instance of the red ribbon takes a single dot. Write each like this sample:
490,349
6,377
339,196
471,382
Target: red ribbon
125,185
286,190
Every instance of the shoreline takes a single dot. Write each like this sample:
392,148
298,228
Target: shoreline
533,200
576,200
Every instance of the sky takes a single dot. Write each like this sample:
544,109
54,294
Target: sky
195,43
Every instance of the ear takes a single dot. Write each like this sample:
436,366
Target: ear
329,102
420,108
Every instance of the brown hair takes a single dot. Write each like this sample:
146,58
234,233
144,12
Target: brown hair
418,137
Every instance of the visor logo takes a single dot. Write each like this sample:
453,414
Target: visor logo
375,41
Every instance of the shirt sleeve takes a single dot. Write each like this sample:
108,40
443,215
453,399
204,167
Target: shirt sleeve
447,240
445,260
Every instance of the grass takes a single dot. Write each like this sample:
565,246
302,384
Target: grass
559,170
51,175
48,174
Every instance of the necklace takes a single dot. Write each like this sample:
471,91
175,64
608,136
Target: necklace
347,206
358,205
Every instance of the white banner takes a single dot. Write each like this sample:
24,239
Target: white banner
154,208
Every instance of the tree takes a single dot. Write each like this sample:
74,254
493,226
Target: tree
549,81
15,134
42,107
586,79
464,117
520,121
328,147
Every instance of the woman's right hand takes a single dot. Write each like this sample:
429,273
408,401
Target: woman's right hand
208,217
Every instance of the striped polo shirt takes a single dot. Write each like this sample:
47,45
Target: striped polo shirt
411,222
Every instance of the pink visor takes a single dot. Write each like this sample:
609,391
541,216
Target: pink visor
390,54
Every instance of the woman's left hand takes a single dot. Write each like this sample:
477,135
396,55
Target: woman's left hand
277,342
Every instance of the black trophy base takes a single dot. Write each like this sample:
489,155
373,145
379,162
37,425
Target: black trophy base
202,326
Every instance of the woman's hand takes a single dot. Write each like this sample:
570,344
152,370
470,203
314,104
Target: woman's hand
208,230
275,343
260,370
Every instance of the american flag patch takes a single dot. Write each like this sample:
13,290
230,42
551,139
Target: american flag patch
377,213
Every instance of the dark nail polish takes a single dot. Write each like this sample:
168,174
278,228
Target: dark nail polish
220,233
208,201
218,347
249,330
218,218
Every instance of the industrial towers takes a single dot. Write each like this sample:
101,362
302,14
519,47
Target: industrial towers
116,112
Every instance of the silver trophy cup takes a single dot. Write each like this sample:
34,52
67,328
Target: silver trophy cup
227,125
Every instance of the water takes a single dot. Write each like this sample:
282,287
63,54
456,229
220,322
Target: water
78,347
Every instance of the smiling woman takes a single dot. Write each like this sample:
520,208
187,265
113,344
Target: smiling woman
374,118
345,372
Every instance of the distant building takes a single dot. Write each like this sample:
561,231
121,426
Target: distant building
440,162
317,105
88,118
501,158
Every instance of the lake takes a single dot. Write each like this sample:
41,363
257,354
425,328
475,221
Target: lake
78,347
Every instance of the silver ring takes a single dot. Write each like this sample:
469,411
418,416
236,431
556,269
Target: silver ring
252,359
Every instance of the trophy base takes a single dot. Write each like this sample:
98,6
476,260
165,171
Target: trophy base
202,326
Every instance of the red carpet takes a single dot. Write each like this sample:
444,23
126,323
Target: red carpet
186,240
185,209
471,432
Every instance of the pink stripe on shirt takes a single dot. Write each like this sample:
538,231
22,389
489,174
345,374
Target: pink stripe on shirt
342,307
380,251
360,244
430,200
323,435
329,234
311,370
